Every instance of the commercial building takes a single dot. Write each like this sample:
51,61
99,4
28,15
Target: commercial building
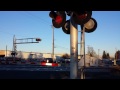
26,55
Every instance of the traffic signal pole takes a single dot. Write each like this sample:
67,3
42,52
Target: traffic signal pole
82,48
73,49
53,43
82,51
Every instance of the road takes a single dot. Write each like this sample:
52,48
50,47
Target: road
32,72
45,72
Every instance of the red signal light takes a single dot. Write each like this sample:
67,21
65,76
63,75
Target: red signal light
81,17
58,18
38,39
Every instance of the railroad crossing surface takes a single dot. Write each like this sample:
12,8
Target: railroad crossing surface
47,72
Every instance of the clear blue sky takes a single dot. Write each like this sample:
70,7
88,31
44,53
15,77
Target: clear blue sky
30,24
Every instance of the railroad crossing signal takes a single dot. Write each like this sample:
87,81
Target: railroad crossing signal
66,27
58,18
90,26
23,41
83,18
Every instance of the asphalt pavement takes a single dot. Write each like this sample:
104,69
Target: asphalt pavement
32,72
48,72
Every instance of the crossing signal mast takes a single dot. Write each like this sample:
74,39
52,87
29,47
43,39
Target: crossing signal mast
88,25
83,18
22,41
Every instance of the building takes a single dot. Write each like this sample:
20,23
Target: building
89,61
28,55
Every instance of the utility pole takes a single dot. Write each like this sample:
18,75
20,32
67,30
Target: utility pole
14,47
98,53
84,43
88,50
6,50
53,43
82,49
116,53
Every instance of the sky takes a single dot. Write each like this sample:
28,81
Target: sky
38,24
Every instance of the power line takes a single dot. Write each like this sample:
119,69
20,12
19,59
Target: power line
41,19
37,17
57,46
31,15
9,33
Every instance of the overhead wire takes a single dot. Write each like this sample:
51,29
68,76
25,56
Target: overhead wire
42,21
47,23
8,32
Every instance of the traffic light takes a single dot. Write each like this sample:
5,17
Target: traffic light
58,18
38,39
66,27
81,17
90,26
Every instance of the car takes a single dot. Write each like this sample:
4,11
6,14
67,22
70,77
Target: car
48,60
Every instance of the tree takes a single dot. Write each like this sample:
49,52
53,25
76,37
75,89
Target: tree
91,52
65,56
91,55
108,57
104,56
117,54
